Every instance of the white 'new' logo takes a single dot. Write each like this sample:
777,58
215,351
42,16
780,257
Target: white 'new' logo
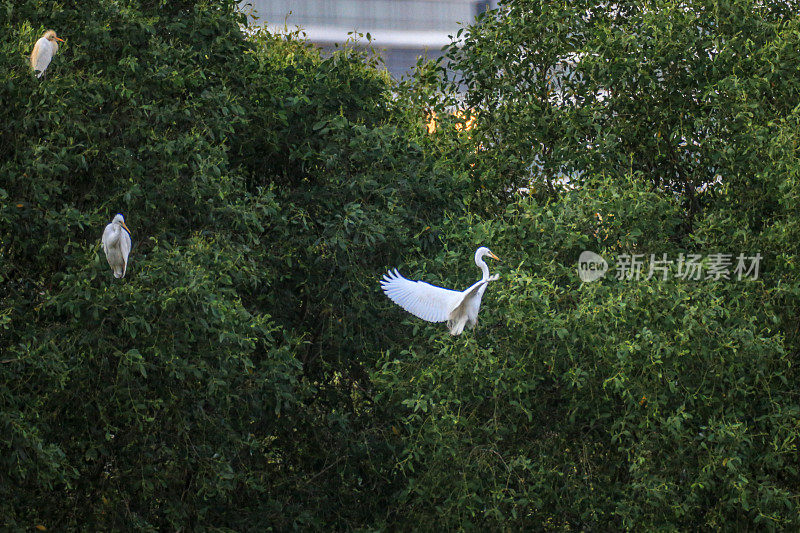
591,266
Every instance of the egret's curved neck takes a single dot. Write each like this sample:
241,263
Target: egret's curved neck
483,266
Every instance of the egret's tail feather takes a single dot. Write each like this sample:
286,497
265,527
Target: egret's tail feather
456,325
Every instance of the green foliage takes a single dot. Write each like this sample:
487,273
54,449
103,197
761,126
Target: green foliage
247,373
618,404
654,128
214,384
687,94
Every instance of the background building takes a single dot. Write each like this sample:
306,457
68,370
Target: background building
401,29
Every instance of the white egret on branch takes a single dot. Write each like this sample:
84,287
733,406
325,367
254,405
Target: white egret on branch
436,304
43,51
117,245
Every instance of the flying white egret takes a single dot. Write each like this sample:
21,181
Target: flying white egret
43,51
436,304
117,245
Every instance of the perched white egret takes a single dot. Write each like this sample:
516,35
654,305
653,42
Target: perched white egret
43,51
117,245
436,304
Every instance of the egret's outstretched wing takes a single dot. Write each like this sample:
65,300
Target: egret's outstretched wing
421,299
125,248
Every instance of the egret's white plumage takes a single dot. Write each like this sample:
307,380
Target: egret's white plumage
436,304
43,52
117,245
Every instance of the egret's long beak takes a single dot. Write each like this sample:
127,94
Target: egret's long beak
126,228
60,39
493,256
